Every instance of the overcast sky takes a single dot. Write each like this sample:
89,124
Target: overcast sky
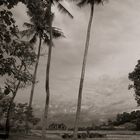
113,53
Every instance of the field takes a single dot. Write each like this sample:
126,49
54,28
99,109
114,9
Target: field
111,135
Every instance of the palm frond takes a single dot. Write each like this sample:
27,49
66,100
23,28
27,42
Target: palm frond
63,9
28,25
99,1
82,3
57,33
27,32
34,39
46,39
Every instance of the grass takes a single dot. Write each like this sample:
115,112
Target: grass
52,136
126,137
33,137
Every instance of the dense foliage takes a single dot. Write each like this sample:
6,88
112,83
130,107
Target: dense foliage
11,3
18,115
16,60
14,52
132,117
135,78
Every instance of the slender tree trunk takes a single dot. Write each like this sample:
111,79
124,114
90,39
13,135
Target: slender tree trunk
10,106
9,110
82,75
35,73
33,83
47,88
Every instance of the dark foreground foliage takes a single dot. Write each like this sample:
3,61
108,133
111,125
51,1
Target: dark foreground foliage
132,117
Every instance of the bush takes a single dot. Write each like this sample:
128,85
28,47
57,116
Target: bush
84,135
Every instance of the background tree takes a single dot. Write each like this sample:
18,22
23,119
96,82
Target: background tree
134,76
38,28
16,58
19,76
132,117
11,3
49,4
4,103
18,115
81,4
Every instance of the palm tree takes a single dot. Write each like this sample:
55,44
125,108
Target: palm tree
80,4
32,29
47,88
38,28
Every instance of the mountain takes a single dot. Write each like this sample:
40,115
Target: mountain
101,101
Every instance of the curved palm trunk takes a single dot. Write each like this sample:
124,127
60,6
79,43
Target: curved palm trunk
82,75
33,84
47,88
7,125
35,73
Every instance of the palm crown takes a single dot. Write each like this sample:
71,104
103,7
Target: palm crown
92,2
39,23
35,30
61,8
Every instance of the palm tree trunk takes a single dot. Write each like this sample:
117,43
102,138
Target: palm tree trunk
82,75
47,88
10,106
35,73
33,84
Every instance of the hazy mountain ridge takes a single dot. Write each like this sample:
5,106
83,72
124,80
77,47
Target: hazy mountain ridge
98,105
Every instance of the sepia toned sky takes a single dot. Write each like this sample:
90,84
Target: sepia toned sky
113,53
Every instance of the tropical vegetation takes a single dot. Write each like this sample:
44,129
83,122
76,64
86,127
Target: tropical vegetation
20,52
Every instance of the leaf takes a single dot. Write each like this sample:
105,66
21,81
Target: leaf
28,25
63,9
34,39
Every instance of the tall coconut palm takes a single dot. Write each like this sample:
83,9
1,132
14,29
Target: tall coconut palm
80,4
42,36
47,85
38,28
33,40
32,30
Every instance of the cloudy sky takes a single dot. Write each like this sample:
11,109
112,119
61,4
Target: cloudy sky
113,53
